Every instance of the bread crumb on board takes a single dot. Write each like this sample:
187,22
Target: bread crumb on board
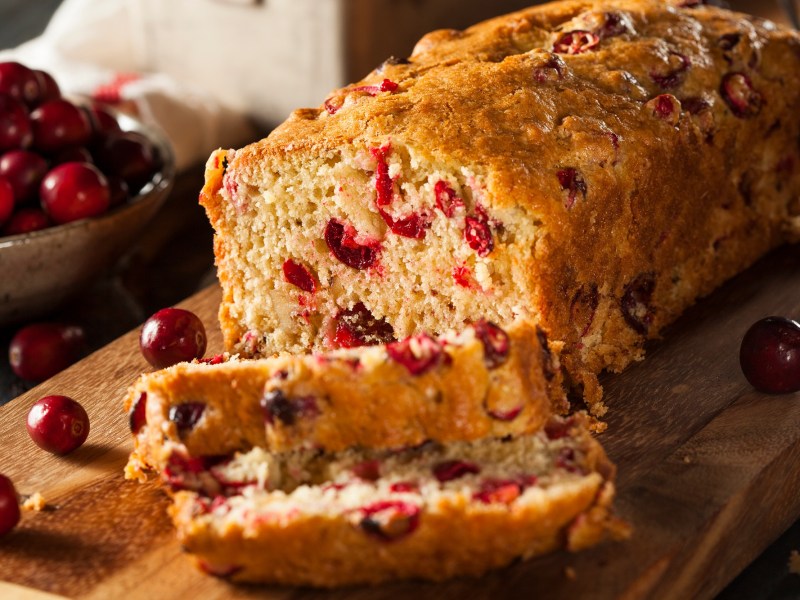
794,562
34,502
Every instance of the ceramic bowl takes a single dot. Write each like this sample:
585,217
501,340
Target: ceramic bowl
41,269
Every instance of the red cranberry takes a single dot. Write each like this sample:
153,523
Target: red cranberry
24,171
186,415
342,244
217,359
446,199
26,220
129,155
15,125
368,470
505,415
59,124
39,351
496,343
172,335
223,571
413,226
666,107
386,85
557,429
9,506
583,307
357,326
103,122
454,469
404,487
770,355
419,354
614,24
19,82
389,520
186,473
299,275
74,191
73,154
118,191
635,303
552,70
673,74
48,88
737,91
478,235
276,406
137,416
463,277
566,460
501,491
573,183
6,200
576,42
58,424
384,186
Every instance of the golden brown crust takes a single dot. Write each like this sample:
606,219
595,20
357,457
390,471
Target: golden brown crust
670,204
363,397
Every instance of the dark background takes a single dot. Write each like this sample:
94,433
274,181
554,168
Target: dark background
173,259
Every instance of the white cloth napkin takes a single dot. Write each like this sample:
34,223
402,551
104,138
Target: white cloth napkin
97,49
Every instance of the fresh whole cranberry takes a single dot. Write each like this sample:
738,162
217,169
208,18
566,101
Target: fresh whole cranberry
357,326
19,82
137,416
129,155
576,42
15,125
24,170
9,506
342,244
73,154
770,355
26,220
454,469
172,335
74,191
740,96
419,354
496,343
59,124
299,275
118,191
58,424
48,88
388,520
6,200
39,351
186,415
103,122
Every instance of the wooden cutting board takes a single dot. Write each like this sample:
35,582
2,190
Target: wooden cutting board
709,475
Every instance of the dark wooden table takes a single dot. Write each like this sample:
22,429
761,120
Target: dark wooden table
173,259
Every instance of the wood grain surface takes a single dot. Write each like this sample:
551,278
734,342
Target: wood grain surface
709,475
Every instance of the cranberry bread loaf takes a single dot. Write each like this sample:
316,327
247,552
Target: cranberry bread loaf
483,382
364,516
593,165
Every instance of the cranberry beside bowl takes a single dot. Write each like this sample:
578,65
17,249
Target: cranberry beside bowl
42,268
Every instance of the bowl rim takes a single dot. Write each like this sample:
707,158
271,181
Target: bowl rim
158,184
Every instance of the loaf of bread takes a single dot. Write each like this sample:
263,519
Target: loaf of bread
432,511
594,166
482,382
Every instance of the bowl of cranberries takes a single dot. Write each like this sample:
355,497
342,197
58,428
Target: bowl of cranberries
78,182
